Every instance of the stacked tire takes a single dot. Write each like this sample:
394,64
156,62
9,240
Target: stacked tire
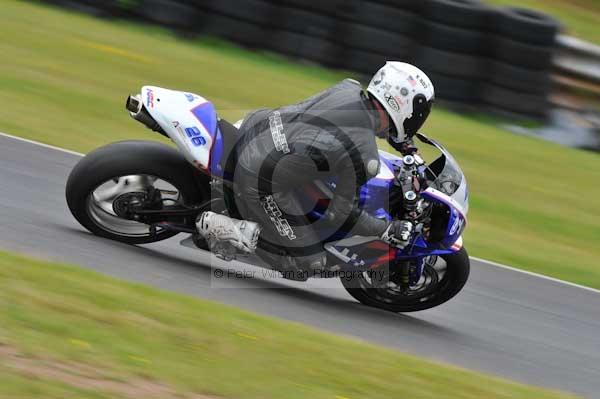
522,46
452,50
244,22
376,32
309,30
495,59
107,8
180,16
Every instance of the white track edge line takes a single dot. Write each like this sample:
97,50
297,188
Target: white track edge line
41,144
556,280
489,262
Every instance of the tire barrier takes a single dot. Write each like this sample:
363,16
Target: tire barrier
252,11
522,45
507,101
466,14
173,14
476,54
237,31
527,25
453,48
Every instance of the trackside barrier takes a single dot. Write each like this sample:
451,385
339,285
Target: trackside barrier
505,60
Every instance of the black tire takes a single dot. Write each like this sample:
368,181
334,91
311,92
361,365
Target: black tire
527,26
457,274
307,23
245,33
254,11
530,81
451,64
533,105
451,38
522,54
106,8
130,158
335,8
455,89
367,62
468,14
170,13
390,18
287,43
407,5
309,48
321,51
374,40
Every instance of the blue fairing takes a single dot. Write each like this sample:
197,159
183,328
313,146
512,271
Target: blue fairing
207,115
374,197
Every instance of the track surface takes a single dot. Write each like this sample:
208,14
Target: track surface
504,322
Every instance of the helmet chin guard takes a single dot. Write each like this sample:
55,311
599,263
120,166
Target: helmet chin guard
406,94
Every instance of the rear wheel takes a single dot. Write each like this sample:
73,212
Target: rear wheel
109,182
443,278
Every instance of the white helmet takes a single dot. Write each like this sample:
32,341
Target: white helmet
407,95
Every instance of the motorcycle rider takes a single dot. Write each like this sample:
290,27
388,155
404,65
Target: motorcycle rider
331,134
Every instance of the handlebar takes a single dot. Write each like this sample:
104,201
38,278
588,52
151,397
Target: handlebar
409,181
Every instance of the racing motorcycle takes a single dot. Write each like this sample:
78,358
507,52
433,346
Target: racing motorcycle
141,192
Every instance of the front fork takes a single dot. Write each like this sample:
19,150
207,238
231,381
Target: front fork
409,272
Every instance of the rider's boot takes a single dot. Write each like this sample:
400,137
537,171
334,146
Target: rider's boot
221,231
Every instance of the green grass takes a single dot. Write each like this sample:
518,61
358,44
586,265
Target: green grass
56,317
579,17
64,78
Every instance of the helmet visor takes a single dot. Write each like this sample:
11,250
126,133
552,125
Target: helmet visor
421,110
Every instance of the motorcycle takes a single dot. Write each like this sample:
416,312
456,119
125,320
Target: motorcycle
141,192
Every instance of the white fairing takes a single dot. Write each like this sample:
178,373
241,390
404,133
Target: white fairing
461,207
385,172
173,112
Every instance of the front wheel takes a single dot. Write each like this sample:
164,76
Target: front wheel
103,186
443,278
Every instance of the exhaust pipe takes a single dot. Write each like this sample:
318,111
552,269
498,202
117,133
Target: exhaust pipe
136,109
133,104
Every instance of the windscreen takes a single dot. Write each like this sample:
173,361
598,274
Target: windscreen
445,175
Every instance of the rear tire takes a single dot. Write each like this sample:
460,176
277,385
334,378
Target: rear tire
456,275
131,158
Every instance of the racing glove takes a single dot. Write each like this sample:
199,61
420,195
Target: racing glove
398,233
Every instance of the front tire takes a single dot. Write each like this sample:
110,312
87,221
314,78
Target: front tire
148,160
455,276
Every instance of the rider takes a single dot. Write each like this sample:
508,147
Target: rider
328,135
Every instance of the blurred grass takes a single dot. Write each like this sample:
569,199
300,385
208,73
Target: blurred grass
93,325
64,78
579,17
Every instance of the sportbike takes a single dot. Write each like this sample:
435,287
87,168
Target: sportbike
140,192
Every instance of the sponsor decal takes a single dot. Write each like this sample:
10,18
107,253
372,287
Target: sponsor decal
281,224
412,81
175,124
195,136
276,126
378,78
392,102
150,98
404,91
423,83
346,256
190,97
456,226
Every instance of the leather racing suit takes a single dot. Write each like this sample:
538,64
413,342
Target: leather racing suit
283,150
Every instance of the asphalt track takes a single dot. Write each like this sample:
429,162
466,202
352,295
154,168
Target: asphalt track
505,322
